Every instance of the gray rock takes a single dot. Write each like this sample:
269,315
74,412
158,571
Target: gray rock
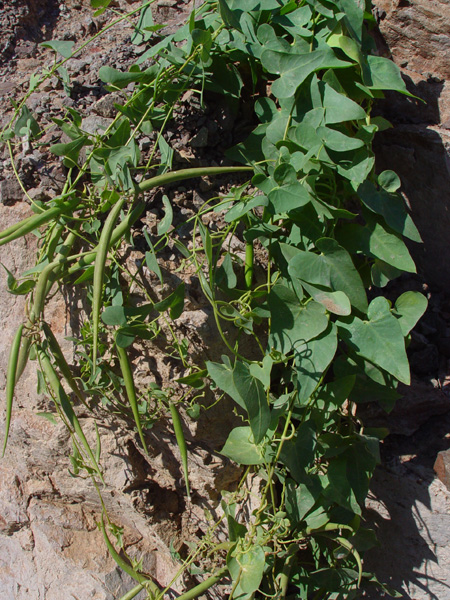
10,191
200,139
105,106
95,124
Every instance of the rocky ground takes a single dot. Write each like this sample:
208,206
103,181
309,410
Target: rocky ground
50,547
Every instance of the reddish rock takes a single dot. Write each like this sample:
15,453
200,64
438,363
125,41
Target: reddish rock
442,467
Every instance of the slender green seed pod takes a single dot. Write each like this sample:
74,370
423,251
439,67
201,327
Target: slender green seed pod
248,269
11,381
61,362
31,223
9,230
133,592
202,587
149,184
99,272
45,281
117,234
127,375
62,399
125,565
181,441
182,174
22,360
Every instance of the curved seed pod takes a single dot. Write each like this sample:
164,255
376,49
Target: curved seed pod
181,441
127,375
31,223
11,381
61,362
62,399
202,587
99,272
172,176
12,228
137,211
248,270
133,592
123,564
22,360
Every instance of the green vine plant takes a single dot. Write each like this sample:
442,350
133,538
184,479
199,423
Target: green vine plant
307,335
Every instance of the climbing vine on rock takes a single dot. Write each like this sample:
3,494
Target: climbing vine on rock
306,333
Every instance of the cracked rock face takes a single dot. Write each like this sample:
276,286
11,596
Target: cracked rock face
50,545
415,34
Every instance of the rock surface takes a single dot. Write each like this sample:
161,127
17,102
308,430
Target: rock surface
50,546
416,35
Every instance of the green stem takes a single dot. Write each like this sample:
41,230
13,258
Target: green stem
248,270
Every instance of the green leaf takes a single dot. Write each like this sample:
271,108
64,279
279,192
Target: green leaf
100,3
353,17
114,315
120,79
295,68
379,340
167,153
26,124
339,108
300,499
263,372
382,273
166,222
150,258
293,323
337,141
248,566
383,74
312,359
16,288
70,151
174,302
225,275
333,268
195,380
246,390
288,197
376,240
391,206
125,336
335,302
298,454
408,309
389,181
340,489
241,448
144,27
62,47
